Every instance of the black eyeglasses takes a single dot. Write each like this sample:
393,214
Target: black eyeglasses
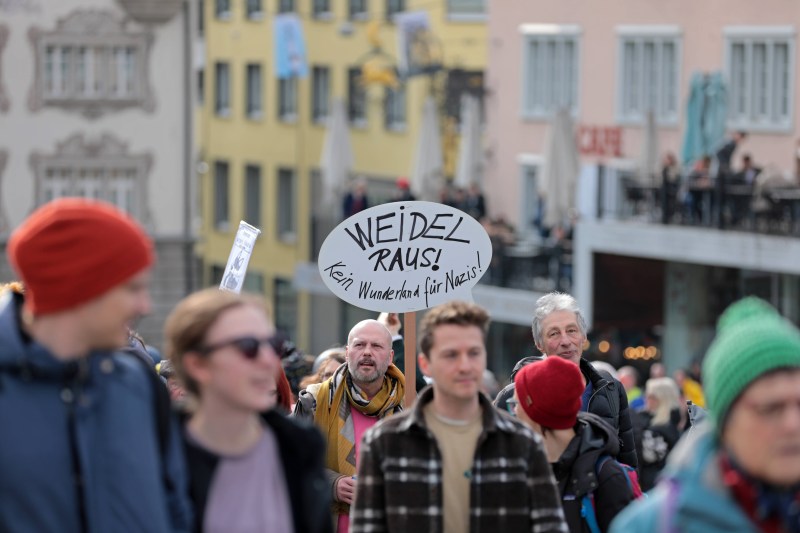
247,346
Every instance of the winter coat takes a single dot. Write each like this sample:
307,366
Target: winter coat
653,445
605,390
81,449
690,497
577,475
302,452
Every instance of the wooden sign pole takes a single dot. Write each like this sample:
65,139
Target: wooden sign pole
410,354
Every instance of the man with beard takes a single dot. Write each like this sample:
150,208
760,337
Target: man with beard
368,388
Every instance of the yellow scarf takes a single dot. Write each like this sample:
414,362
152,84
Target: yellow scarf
333,417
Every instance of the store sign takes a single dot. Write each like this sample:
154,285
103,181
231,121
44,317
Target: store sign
600,141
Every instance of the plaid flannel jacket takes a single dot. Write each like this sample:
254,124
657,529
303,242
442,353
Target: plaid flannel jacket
399,485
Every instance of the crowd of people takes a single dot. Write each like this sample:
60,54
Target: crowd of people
227,436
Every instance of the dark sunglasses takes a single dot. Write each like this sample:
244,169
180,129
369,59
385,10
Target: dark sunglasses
247,346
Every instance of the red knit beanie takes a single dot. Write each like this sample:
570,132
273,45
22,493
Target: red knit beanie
550,391
73,250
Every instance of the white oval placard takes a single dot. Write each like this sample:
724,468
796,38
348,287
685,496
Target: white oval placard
405,256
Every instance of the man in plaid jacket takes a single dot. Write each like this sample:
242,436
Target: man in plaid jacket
453,463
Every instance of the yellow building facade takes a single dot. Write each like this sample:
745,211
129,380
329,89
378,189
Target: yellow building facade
261,147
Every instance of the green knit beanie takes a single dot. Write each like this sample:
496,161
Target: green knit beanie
752,339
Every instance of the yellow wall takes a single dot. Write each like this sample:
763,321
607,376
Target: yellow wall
272,144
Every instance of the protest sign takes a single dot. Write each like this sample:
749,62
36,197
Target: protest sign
405,256
235,270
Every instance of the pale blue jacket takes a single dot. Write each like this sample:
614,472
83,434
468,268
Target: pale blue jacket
690,497
96,418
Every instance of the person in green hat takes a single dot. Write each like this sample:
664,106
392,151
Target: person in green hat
740,471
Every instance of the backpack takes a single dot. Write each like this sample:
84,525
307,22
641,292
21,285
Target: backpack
587,502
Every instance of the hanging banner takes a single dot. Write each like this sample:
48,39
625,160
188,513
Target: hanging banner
418,52
405,256
290,47
235,270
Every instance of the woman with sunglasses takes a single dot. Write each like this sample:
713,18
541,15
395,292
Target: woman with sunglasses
250,467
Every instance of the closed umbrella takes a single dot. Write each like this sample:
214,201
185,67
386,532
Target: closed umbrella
427,170
706,116
648,157
559,170
470,161
336,161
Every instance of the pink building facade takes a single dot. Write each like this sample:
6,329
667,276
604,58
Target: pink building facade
610,61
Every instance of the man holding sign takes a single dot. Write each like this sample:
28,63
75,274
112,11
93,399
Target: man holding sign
452,462
368,388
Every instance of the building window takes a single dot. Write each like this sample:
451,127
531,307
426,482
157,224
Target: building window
215,275
201,87
252,195
91,62
760,71
356,98
395,108
285,306
222,103
287,99
466,9
253,283
286,205
201,18
253,96
394,7
550,70
285,6
99,170
221,193
222,9
253,10
321,9
357,10
648,76
320,94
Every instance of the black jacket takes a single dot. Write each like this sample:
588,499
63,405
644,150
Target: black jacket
653,445
302,453
577,475
605,391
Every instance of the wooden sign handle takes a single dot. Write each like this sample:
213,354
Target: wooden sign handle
410,355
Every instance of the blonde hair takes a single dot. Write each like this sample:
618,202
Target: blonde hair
665,390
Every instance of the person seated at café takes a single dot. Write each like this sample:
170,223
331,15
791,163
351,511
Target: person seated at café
699,184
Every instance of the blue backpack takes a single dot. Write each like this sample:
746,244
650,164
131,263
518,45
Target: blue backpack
587,502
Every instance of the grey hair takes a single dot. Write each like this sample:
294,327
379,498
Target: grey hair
665,390
550,303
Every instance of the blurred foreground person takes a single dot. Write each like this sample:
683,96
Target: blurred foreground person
453,463
741,471
366,389
250,467
88,443
580,446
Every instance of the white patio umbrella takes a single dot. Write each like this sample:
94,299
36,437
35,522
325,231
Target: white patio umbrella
648,157
336,161
470,160
560,169
427,169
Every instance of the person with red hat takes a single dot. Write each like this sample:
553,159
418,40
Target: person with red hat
580,446
402,192
85,447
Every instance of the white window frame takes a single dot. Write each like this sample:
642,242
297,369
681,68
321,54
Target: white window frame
320,93
254,14
222,91
356,99
466,16
393,119
667,108
545,34
287,99
285,234
222,14
254,99
526,162
749,36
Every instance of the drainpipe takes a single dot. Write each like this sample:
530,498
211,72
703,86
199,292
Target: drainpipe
188,137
